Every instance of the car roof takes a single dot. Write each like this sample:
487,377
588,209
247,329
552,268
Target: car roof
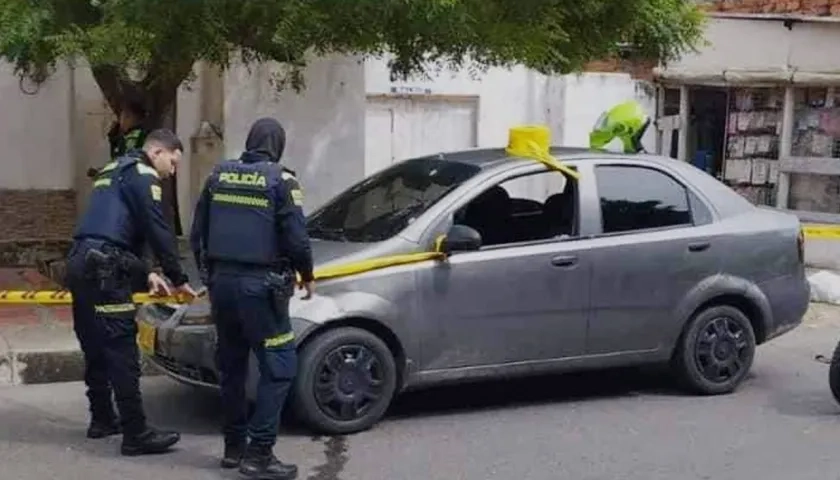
726,201
486,158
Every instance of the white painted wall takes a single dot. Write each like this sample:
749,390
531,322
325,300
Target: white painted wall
569,104
91,120
588,95
506,97
187,121
35,138
764,45
324,125
399,128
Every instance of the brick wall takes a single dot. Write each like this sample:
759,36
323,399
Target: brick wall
642,70
802,7
37,214
35,226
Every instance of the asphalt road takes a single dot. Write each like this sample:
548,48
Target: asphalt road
783,424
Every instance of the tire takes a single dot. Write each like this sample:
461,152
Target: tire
834,373
700,354
340,386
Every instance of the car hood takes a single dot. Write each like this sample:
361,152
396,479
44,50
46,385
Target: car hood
329,252
324,252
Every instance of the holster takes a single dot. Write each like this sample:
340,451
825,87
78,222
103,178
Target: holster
112,267
281,283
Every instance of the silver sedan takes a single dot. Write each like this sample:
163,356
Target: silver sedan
642,260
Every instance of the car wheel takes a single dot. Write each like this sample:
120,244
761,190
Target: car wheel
716,352
346,380
834,373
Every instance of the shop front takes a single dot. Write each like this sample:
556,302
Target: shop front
759,108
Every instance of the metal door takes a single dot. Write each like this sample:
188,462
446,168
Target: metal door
398,128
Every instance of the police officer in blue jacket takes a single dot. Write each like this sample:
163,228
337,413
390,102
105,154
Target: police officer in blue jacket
123,214
249,236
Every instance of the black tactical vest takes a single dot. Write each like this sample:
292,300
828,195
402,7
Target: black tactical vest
242,226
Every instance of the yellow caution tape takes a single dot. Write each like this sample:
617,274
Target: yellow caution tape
362,266
529,141
63,297
821,231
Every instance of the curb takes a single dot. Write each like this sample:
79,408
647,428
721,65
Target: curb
38,367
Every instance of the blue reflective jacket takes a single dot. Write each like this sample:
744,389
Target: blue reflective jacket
125,209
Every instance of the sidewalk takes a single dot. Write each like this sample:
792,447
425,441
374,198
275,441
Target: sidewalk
37,343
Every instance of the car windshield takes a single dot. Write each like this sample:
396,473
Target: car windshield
382,205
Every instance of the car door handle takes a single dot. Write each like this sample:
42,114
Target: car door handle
698,247
564,261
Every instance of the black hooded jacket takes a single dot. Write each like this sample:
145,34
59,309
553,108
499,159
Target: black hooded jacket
265,143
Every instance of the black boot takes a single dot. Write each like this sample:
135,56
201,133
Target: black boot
260,463
102,429
234,449
149,442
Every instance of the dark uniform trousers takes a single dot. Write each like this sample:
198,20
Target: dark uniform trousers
249,317
104,324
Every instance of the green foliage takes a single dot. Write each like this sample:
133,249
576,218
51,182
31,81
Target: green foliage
161,39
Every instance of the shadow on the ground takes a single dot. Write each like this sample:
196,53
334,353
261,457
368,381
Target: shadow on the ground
498,395
546,389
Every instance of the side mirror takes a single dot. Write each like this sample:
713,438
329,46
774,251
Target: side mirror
461,238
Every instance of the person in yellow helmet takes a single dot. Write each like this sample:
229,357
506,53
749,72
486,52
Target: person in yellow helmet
626,121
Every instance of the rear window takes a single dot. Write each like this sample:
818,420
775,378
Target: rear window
640,198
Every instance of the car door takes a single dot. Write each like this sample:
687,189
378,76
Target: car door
656,242
515,302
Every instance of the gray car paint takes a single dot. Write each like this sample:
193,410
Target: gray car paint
505,310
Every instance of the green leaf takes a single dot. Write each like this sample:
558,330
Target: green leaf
162,39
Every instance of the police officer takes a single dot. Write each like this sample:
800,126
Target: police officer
127,133
249,235
123,213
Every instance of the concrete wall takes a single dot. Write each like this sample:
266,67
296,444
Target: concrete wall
36,171
764,45
569,104
506,97
324,125
586,96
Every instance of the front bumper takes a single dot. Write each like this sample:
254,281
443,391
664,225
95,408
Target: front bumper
182,344
187,353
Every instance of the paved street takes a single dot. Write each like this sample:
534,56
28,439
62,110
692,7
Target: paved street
783,424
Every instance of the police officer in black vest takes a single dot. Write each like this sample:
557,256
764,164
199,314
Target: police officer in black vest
250,238
127,133
124,212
